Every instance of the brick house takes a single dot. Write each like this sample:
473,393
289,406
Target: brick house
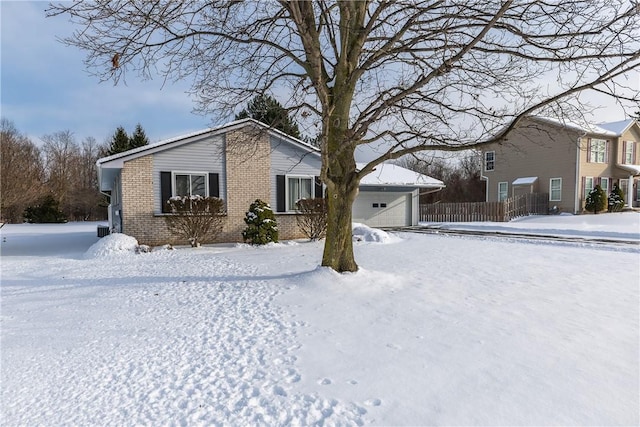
238,162
565,160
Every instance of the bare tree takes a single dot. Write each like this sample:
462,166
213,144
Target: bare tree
403,76
71,175
460,174
21,170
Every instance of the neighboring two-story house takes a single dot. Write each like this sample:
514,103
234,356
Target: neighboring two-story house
240,162
565,160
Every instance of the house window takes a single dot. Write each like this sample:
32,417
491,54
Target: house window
624,186
588,186
190,184
489,160
598,151
298,187
555,189
604,184
628,152
503,191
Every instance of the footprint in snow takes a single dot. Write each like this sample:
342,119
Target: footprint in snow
373,402
324,381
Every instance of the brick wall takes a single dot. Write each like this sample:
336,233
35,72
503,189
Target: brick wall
138,219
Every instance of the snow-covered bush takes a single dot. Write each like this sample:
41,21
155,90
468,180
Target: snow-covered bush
196,219
616,199
596,200
312,217
113,244
261,224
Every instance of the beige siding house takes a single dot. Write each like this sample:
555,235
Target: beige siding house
564,160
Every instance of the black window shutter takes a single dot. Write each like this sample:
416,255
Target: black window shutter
165,190
319,194
280,193
214,185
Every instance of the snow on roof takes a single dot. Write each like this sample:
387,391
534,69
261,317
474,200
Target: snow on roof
587,128
527,180
617,127
634,169
390,174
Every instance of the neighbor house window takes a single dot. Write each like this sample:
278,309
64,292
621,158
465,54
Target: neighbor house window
628,152
604,184
298,187
555,189
489,160
624,186
597,151
588,186
190,184
503,191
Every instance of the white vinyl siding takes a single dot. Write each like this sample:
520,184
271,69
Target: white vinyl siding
555,189
503,191
489,161
206,154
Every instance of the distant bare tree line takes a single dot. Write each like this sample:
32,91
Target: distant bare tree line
461,177
62,168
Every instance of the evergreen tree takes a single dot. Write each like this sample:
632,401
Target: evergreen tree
616,199
139,138
261,224
119,142
596,200
269,111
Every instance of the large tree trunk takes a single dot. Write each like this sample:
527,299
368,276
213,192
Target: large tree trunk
338,247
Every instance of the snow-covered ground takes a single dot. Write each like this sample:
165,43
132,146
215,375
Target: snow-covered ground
434,330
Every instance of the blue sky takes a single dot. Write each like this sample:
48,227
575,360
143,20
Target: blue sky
45,88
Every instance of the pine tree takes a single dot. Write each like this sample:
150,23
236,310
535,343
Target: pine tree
616,199
269,111
139,138
261,224
596,200
119,142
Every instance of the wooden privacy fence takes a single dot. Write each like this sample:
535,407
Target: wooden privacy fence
513,207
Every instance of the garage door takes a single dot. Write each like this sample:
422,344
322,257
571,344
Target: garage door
382,209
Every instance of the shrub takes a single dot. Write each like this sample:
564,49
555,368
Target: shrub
196,219
312,217
47,211
596,200
261,224
616,199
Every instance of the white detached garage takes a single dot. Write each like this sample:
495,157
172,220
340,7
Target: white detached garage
389,196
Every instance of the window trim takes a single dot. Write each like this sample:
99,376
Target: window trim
594,155
311,178
628,150
559,190
493,161
593,185
605,189
190,173
506,190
